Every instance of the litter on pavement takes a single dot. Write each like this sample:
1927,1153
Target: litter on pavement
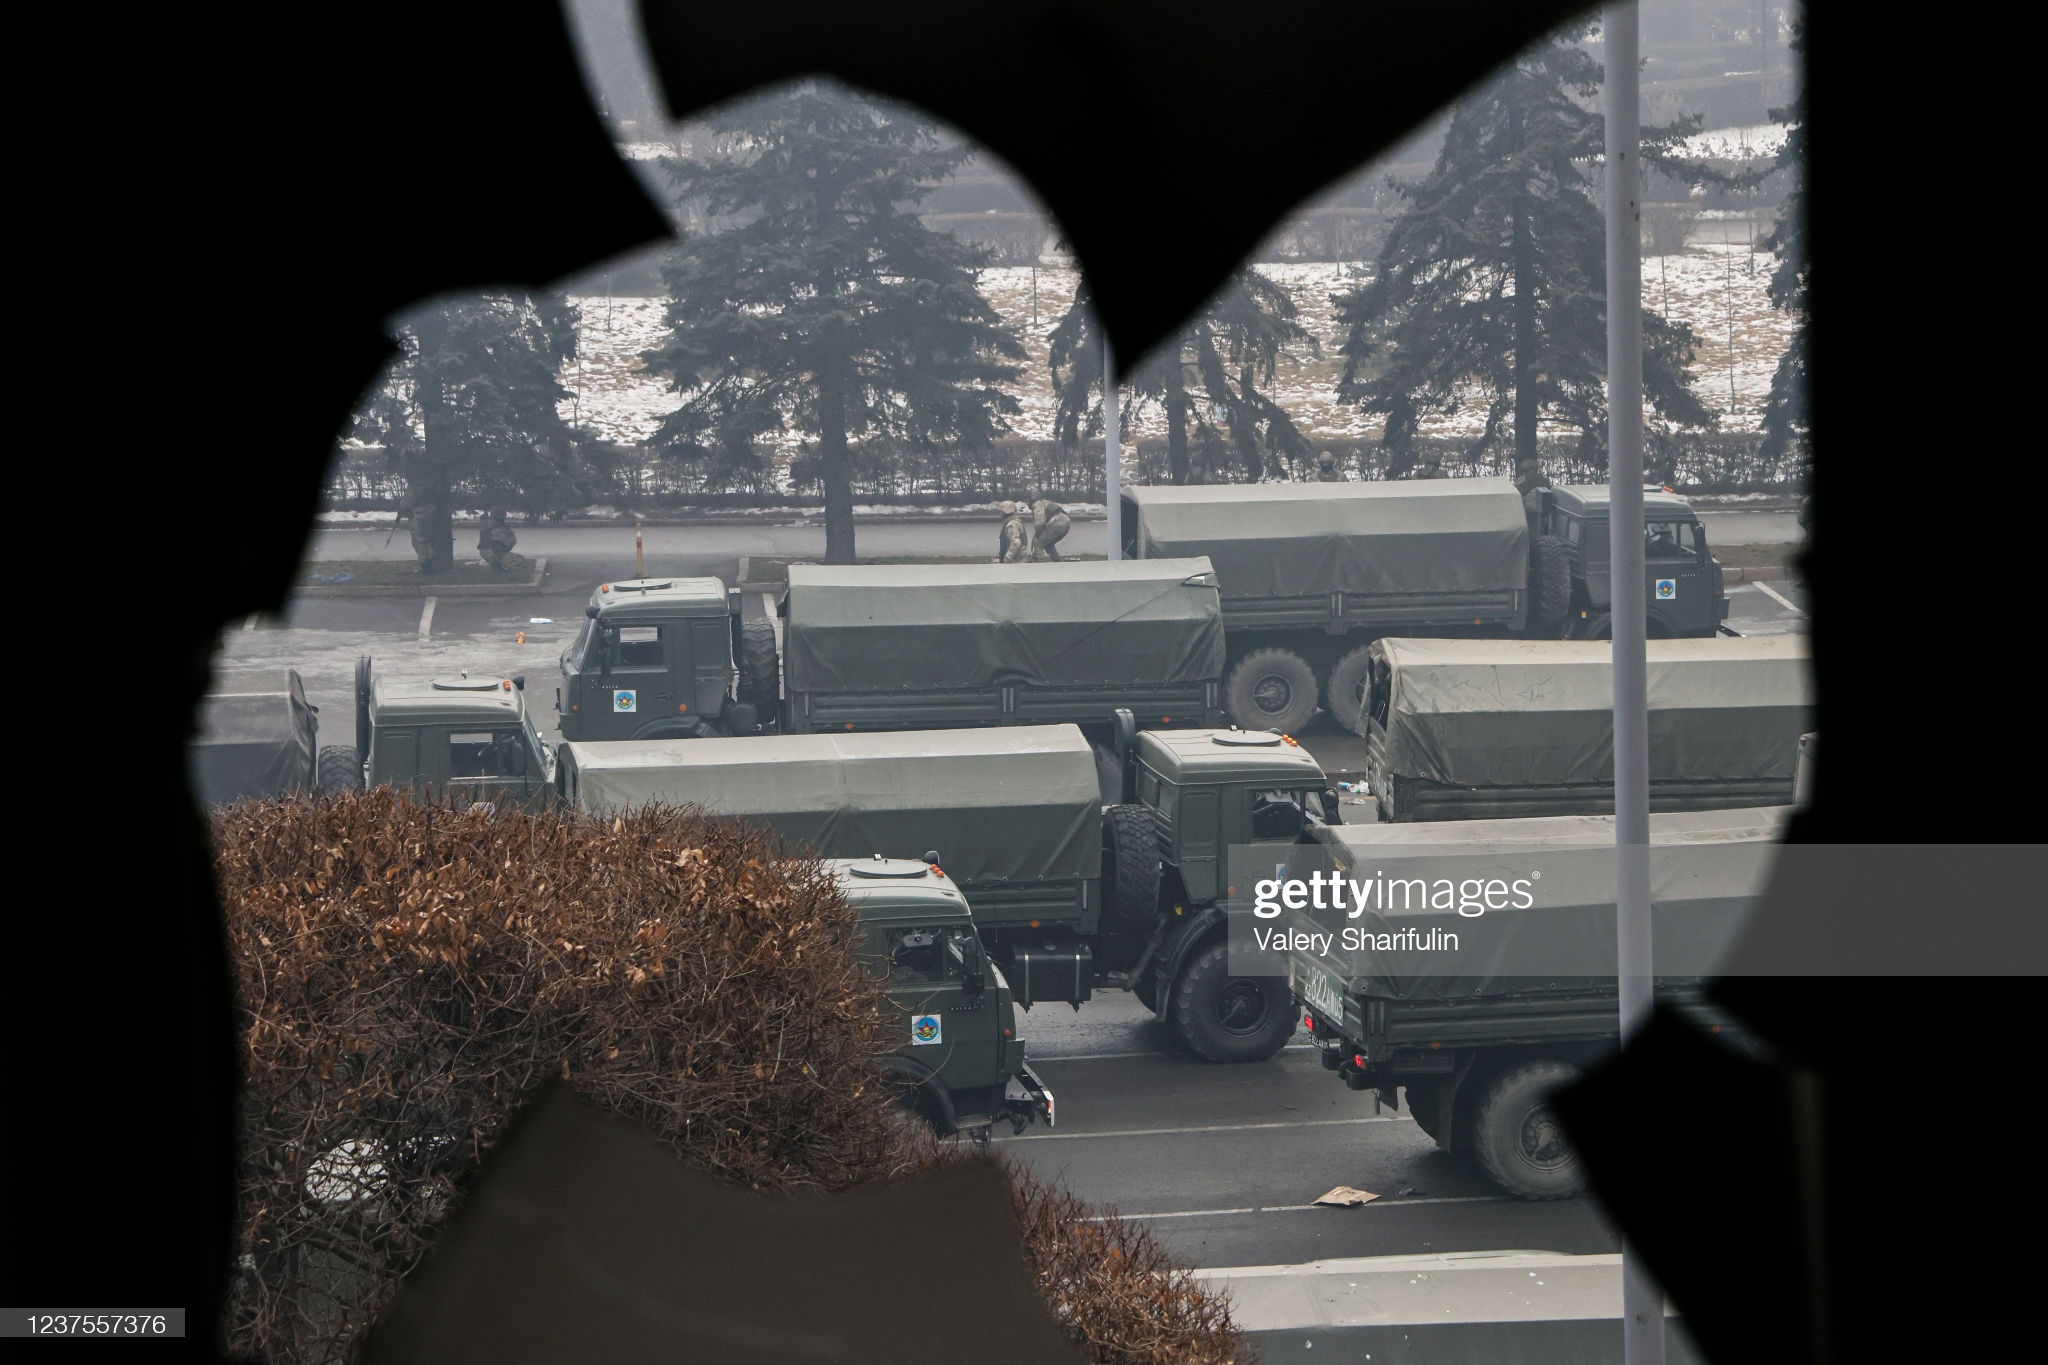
540,620
1344,1197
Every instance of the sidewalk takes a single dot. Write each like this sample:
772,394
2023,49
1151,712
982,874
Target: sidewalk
1532,1307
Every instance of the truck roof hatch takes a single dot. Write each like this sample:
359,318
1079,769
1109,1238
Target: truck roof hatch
466,684
898,868
1250,739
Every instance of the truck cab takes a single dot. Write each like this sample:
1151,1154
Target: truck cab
1193,796
958,1061
1683,589
472,739
654,660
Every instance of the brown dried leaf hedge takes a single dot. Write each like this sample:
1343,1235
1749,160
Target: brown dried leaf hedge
408,974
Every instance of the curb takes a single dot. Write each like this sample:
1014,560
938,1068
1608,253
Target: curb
421,590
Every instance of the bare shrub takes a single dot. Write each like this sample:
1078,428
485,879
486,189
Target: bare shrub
408,975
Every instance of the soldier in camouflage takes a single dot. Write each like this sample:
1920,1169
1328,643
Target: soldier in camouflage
1050,524
1327,469
1013,544
495,540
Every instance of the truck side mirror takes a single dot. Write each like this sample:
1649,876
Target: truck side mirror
591,611
973,982
519,681
1331,815
931,857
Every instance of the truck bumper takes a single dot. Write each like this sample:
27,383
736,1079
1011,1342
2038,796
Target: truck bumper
1026,1098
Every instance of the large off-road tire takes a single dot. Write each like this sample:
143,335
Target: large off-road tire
1516,1136
1230,1018
1599,627
1272,689
1550,588
1422,1101
760,666
1344,695
1130,869
338,769
1146,988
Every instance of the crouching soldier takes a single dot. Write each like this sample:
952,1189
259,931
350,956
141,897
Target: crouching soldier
1013,545
494,543
1050,524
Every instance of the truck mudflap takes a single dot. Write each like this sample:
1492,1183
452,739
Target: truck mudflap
1025,1098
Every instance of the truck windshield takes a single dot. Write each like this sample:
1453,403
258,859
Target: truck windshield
577,655
1669,540
1279,814
921,954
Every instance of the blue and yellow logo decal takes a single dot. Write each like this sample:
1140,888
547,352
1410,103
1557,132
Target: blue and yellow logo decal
926,1029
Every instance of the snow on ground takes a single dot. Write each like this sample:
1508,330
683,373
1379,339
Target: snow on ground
1718,289
1736,144
610,392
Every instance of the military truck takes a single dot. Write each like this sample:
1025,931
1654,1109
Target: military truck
898,647
1475,1052
959,1062
666,658
1068,896
1683,590
472,740
255,743
915,646
1488,729
1310,573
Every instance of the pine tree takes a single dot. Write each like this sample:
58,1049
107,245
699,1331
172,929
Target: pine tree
818,302
1785,417
1206,381
1494,277
474,400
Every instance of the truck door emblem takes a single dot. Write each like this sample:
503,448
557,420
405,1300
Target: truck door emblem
625,699
925,1028
1667,589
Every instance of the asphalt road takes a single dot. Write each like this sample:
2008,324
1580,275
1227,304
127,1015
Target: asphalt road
1221,1160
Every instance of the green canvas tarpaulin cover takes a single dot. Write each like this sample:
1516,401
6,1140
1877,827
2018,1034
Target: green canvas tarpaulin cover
1302,539
1708,872
254,744
1007,805
912,627
1481,713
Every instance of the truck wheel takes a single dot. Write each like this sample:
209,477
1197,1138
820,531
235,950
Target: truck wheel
760,668
1516,1135
1272,689
1230,1018
1345,695
1422,1101
1600,627
1130,866
339,769
1146,988
1550,588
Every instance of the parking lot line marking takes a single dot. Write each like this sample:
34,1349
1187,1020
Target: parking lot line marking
1772,593
1115,1056
1210,1128
427,618
1304,1208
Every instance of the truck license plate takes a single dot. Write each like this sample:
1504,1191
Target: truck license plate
1323,994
